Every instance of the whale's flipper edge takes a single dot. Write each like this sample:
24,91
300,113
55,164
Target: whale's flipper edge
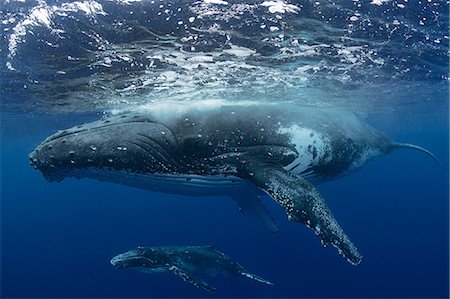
190,277
257,278
252,205
303,203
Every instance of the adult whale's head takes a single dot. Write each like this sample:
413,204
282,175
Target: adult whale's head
130,143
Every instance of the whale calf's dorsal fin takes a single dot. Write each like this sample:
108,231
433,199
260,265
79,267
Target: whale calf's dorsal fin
396,145
302,203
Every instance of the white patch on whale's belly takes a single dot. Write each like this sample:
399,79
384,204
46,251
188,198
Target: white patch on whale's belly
310,145
183,184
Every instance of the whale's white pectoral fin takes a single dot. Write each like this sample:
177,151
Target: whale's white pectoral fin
190,277
252,205
303,203
256,277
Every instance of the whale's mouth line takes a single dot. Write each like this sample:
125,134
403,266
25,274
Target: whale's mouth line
125,261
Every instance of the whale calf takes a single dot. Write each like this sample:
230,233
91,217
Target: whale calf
242,150
186,262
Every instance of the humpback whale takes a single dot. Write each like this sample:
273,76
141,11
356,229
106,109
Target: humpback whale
218,148
186,262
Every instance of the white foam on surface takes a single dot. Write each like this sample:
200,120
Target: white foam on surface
239,51
128,2
220,10
41,16
279,6
221,2
379,2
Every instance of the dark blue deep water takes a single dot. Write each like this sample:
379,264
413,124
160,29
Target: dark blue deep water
64,63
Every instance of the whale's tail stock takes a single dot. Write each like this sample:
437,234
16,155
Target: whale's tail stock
396,145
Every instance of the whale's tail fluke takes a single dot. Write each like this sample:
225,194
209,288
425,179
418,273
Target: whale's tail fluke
416,147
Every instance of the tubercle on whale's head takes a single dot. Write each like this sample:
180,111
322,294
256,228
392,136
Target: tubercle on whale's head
130,143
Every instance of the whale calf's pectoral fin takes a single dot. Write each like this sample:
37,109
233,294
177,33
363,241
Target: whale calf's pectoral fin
256,277
303,203
191,278
253,206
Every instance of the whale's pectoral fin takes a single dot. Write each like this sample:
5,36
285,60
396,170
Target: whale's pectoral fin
253,206
303,203
256,277
191,278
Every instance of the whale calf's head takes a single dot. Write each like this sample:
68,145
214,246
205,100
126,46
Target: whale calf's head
126,143
137,258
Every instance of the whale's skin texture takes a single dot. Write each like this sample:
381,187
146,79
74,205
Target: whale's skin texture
277,149
187,262
320,143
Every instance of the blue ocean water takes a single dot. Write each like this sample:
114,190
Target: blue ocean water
64,63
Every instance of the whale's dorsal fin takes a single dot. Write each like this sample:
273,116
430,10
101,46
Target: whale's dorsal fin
302,203
251,203
191,278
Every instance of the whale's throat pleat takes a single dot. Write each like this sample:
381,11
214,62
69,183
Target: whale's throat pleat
184,184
